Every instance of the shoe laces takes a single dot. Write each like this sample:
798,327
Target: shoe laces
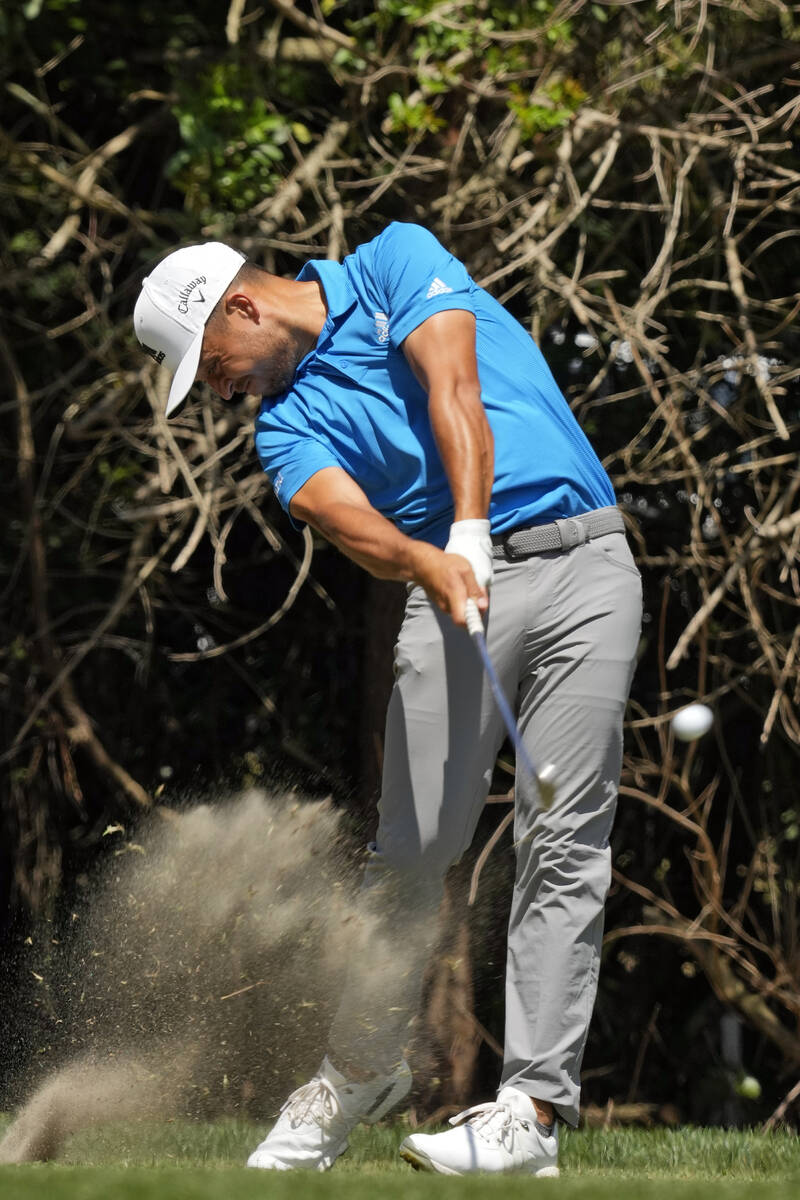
494,1122
316,1101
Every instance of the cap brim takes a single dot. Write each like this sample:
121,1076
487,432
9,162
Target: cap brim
185,374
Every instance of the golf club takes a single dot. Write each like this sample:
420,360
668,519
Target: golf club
544,780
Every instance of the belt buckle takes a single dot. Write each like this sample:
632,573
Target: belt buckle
571,531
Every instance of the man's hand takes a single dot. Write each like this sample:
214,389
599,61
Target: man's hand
449,580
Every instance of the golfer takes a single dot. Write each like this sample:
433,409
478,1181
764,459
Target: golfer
413,422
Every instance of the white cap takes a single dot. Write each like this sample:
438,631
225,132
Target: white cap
175,302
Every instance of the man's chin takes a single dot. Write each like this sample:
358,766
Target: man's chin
277,388
281,380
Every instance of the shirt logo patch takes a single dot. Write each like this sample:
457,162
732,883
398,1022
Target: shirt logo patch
437,288
382,326
278,484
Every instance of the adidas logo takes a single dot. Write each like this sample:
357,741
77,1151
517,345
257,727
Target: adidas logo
437,288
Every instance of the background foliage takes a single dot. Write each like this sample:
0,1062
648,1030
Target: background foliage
624,177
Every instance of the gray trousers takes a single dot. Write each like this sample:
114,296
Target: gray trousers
563,630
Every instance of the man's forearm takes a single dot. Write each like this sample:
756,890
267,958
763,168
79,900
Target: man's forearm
466,446
374,543
332,502
377,546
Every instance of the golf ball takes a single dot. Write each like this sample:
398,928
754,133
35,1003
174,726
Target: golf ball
749,1087
692,722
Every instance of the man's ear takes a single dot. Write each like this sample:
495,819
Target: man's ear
239,304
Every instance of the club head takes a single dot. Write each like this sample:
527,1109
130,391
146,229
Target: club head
546,782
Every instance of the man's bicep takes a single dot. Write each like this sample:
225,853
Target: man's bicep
442,349
323,490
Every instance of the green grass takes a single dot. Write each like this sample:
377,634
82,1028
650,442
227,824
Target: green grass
195,1161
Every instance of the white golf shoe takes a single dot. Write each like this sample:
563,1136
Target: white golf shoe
316,1120
503,1136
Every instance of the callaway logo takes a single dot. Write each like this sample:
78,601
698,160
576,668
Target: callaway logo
381,326
185,294
437,288
158,355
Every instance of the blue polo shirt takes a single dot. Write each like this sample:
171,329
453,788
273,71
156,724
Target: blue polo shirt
355,403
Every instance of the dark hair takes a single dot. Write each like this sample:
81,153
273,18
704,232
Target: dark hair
250,272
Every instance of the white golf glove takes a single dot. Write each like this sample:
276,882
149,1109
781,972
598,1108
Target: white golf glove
473,541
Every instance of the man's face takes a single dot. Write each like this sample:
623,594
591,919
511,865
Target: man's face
241,356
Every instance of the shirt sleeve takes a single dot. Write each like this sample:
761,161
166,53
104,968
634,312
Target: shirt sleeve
289,458
418,278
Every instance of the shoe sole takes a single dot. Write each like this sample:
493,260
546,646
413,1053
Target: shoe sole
421,1162
275,1164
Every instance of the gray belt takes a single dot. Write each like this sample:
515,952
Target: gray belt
563,534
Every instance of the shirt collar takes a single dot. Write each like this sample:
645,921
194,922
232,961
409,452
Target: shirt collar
339,295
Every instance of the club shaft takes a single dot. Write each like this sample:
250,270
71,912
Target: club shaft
505,709
545,786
